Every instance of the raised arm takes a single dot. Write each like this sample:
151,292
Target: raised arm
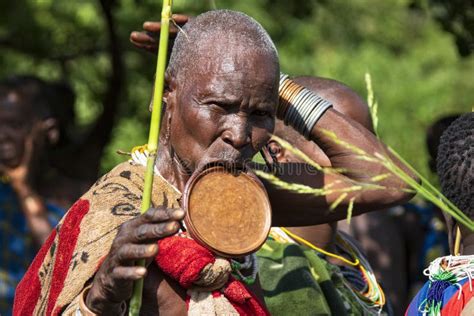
291,209
294,209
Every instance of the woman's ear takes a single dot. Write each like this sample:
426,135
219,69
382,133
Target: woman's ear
169,94
277,151
168,90
50,129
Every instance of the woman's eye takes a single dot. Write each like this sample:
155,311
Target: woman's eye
217,107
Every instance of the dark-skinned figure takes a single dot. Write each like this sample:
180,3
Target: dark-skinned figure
218,108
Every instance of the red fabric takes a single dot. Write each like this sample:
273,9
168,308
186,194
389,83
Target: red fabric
455,305
29,289
68,235
182,259
243,300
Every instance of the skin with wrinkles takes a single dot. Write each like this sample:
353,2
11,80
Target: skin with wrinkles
222,111
29,133
213,114
347,102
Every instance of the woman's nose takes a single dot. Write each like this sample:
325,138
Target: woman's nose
237,134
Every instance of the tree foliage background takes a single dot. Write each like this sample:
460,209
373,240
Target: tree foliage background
419,54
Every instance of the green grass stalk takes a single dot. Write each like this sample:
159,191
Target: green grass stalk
136,300
373,105
350,207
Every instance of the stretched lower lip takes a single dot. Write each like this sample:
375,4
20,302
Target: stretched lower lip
227,160
238,163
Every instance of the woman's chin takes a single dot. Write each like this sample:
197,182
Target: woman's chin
9,163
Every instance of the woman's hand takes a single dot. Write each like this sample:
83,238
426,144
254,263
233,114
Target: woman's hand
148,38
136,239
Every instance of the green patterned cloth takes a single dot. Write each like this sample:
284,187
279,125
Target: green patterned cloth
296,281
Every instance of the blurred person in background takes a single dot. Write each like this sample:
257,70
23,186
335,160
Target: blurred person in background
449,288
33,194
401,242
431,241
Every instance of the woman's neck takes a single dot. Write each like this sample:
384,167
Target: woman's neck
170,167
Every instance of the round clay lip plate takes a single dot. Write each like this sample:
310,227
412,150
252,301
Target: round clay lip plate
227,212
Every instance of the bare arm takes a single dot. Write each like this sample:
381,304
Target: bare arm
292,209
31,203
35,212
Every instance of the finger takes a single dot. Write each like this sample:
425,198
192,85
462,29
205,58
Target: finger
149,48
152,26
142,38
153,232
155,26
180,19
128,273
163,219
160,214
132,252
145,44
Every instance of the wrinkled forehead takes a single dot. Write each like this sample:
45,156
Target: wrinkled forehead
235,70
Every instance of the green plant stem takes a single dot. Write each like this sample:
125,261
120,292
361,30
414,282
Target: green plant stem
136,300
426,189
433,197
424,181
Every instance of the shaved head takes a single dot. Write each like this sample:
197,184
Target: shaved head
221,32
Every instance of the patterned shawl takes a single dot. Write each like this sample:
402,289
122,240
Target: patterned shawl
76,247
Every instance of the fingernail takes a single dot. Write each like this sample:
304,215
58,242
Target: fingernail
171,227
178,214
141,271
152,248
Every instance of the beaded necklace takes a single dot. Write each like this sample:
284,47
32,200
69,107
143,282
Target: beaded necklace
443,273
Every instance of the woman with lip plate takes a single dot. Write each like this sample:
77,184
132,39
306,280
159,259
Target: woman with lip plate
221,99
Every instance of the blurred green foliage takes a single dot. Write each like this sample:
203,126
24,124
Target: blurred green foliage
416,70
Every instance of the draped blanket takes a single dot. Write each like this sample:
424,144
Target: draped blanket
76,247
296,280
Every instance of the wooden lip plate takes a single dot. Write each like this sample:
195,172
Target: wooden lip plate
230,211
